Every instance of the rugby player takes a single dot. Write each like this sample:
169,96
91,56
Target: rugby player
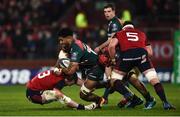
115,25
135,51
83,57
46,87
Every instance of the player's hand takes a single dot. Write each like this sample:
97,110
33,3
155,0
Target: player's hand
91,106
113,61
57,71
65,70
97,50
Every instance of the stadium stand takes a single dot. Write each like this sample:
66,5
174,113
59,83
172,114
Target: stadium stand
28,27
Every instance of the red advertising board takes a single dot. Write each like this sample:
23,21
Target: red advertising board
163,51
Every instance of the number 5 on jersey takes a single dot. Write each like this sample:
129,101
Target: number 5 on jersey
131,36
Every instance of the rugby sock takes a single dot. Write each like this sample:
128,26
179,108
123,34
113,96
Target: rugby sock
94,98
90,97
136,83
142,89
80,107
119,87
147,96
106,93
160,91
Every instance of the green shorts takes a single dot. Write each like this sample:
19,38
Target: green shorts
96,73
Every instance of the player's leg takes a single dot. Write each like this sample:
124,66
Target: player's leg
34,96
118,85
86,92
152,77
136,83
108,90
93,77
56,95
126,66
148,70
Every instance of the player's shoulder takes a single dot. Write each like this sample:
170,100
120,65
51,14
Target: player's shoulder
140,32
78,44
116,21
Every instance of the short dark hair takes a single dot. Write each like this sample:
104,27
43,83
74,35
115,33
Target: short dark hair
64,32
110,5
128,22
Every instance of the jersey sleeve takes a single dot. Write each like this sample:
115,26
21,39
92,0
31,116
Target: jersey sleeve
76,54
60,84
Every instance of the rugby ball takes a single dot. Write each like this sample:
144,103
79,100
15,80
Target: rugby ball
64,62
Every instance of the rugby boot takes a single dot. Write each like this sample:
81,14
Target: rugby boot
122,103
150,104
134,102
168,106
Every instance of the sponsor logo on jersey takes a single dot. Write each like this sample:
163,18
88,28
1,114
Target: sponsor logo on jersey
114,27
74,56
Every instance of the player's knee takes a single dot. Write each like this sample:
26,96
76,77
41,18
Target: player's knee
49,96
134,80
83,96
136,71
84,92
116,83
115,75
154,81
152,76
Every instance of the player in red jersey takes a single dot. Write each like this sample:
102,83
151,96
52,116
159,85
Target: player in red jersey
46,87
135,52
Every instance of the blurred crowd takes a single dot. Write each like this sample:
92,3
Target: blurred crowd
28,28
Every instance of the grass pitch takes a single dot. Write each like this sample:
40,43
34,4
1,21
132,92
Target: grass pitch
13,102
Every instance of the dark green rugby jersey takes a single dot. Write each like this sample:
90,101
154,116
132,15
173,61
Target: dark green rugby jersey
114,26
82,53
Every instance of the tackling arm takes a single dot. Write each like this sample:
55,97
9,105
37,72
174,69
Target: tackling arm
99,48
71,69
79,82
103,45
112,48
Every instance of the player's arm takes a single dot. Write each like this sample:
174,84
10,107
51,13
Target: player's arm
62,98
149,50
67,100
79,82
75,57
73,79
148,47
61,55
112,48
71,69
103,45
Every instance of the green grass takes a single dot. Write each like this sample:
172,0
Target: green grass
14,102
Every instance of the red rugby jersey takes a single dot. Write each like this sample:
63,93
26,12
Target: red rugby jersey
131,38
44,81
